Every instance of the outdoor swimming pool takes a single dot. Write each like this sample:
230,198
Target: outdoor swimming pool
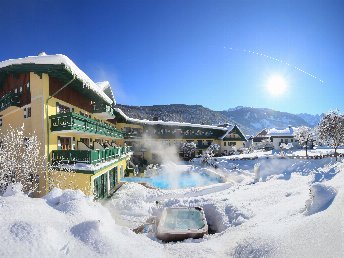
183,180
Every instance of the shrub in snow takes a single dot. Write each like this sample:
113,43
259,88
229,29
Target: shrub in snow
284,147
331,130
20,160
188,149
208,155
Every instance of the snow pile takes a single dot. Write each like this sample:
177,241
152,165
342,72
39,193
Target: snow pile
13,190
66,223
321,197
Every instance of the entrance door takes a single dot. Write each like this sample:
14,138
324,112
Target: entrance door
66,143
101,186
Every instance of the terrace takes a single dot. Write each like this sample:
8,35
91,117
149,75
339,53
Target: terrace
78,123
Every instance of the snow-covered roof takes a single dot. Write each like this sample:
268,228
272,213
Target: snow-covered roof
59,59
106,88
229,130
171,123
289,131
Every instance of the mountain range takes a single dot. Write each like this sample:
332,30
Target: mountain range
250,120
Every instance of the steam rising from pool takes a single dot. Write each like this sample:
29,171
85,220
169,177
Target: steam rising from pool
171,173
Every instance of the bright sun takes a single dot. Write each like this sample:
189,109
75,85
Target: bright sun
276,85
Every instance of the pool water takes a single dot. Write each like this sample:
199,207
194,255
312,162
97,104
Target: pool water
178,181
183,219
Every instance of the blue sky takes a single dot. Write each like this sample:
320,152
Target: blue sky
163,52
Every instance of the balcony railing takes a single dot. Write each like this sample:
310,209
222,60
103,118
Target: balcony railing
11,99
75,122
104,111
92,157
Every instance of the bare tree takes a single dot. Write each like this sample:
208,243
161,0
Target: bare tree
305,136
331,130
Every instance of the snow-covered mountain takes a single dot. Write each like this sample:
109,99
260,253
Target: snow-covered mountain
250,120
259,118
312,120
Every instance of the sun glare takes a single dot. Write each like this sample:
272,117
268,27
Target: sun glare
276,85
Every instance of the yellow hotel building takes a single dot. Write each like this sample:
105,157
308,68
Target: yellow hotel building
72,116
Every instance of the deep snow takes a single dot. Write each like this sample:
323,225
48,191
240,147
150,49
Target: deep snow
294,210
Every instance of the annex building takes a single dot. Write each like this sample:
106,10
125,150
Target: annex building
143,135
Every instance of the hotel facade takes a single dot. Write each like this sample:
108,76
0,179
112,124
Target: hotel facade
73,118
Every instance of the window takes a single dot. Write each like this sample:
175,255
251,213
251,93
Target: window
224,143
27,112
26,142
61,108
232,143
0,121
64,143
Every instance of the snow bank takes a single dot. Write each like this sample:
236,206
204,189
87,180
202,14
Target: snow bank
274,217
13,190
66,223
321,197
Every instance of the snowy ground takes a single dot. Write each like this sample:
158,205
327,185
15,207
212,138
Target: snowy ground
278,216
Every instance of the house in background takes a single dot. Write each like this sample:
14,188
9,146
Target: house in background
279,136
276,136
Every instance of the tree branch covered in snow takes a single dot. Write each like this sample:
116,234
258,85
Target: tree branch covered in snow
305,136
331,130
208,155
188,148
22,161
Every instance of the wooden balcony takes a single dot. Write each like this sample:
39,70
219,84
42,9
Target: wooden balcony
78,123
104,111
92,157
